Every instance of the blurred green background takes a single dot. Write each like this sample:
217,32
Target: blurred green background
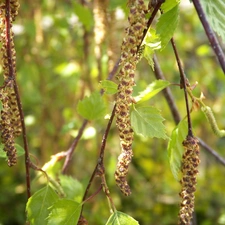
61,59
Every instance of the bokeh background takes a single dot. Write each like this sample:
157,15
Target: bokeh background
63,52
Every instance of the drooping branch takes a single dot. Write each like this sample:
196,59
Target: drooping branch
166,92
210,34
99,168
15,105
176,115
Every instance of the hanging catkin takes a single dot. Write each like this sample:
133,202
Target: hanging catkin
189,169
129,59
10,120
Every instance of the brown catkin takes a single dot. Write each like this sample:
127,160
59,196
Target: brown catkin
10,123
128,62
189,169
7,129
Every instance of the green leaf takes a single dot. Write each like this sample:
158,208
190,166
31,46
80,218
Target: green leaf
84,14
119,218
152,89
175,148
63,212
72,188
169,4
92,107
147,121
167,25
151,42
19,150
38,204
109,87
214,10
2,152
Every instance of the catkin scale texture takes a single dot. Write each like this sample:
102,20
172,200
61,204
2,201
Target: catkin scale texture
128,62
10,123
189,169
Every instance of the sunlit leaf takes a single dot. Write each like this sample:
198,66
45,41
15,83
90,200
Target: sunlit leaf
63,212
72,188
169,4
38,205
151,90
214,10
109,86
92,107
119,218
147,121
175,148
167,25
151,42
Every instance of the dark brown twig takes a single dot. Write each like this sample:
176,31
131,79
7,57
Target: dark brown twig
153,14
166,92
212,152
176,115
99,168
70,151
183,84
210,34
16,90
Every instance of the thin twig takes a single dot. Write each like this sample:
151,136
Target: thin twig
166,92
183,84
212,151
176,115
99,168
73,146
210,34
16,90
153,14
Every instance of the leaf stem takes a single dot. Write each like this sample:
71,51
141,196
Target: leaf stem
210,34
183,84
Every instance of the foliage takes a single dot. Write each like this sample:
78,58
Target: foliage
58,67
214,10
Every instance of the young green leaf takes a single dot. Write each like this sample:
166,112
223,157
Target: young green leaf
20,150
72,188
215,13
147,121
175,148
109,87
119,218
167,25
169,4
38,205
151,42
92,107
64,211
151,90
